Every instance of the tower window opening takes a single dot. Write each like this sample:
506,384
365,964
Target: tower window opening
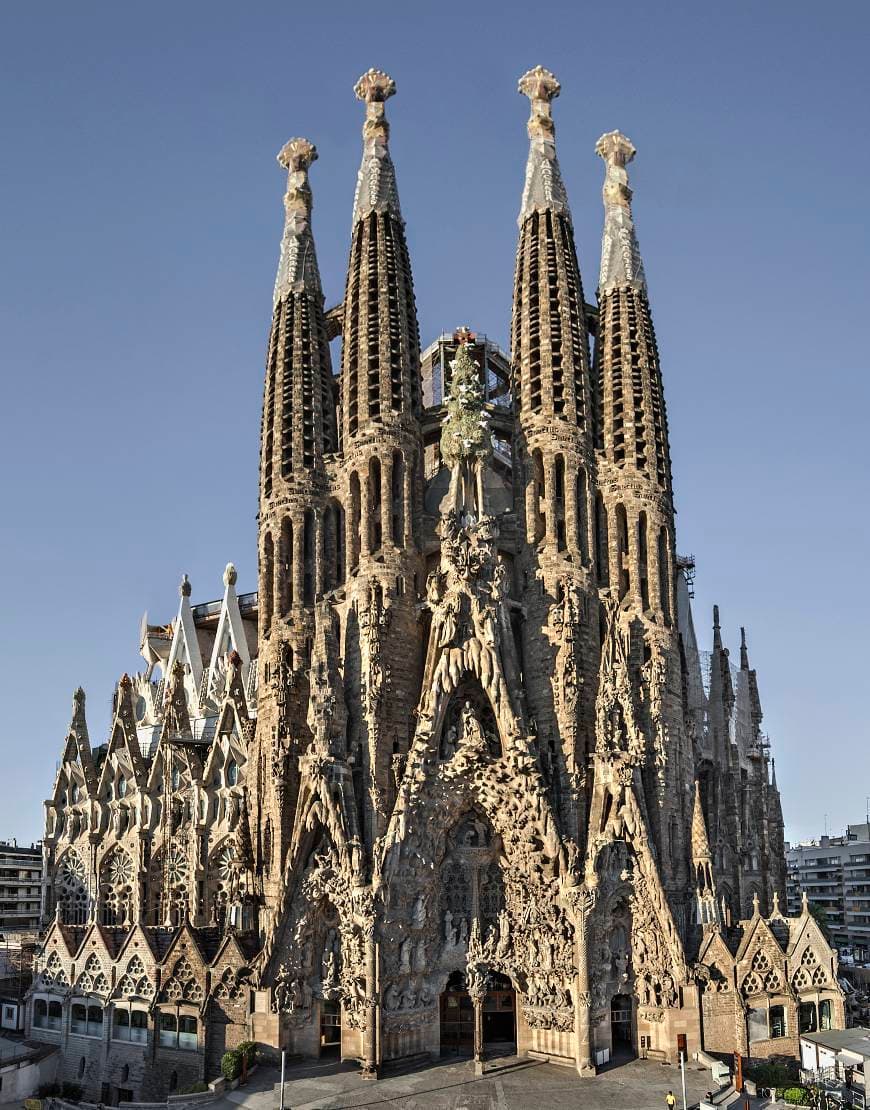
268,580
664,574
582,516
308,580
354,531
622,569
642,560
397,497
602,542
374,521
286,564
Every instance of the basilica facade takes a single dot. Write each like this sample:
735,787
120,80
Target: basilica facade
457,777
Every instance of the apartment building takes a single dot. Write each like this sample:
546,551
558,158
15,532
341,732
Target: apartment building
834,871
20,886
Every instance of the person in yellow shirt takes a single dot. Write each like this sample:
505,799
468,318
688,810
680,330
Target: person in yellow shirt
670,1101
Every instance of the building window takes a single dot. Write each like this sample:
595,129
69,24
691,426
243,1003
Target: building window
131,1025
807,1017
86,1021
825,1014
40,1013
178,1032
232,773
776,1021
81,1067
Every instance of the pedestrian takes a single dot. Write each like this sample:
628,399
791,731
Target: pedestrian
670,1101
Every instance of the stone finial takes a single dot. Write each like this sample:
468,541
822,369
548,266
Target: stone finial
542,88
376,184
374,87
297,264
621,263
544,189
296,155
230,575
776,909
617,151
185,586
755,904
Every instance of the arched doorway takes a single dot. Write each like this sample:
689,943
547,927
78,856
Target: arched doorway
621,1026
457,1018
499,1015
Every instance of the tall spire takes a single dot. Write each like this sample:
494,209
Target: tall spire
621,263
297,265
380,373
550,345
544,189
717,630
632,427
702,862
376,183
298,410
744,651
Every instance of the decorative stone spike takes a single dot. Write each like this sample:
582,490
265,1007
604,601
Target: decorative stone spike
621,263
544,188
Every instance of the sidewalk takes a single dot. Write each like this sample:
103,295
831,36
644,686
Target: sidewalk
510,1083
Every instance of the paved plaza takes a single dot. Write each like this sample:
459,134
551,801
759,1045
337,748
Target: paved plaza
509,1084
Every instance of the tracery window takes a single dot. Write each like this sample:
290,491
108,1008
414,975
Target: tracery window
116,888
70,888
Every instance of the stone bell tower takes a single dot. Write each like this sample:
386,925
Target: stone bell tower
298,528
554,463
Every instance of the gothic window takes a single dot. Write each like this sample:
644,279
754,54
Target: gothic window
825,1014
582,516
354,533
309,571
622,568
232,773
602,542
116,888
397,497
491,893
456,889
559,502
268,580
537,524
664,575
223,881
374,521
70,889
642,560
286,562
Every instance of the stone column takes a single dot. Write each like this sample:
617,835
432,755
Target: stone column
409,477
550,531
572,517
582,902
364,510
370,1036
298,521
477,992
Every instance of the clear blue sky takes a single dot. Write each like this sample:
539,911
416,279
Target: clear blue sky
140,215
